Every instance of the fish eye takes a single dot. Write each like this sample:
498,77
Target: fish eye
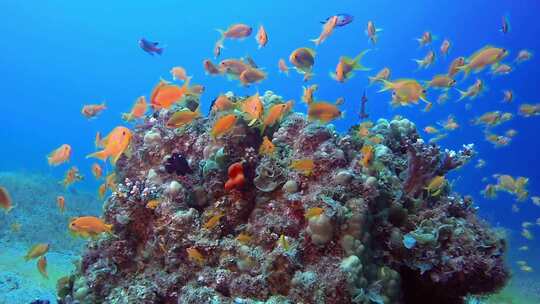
424,91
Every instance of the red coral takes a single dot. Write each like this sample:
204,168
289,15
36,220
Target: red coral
236,176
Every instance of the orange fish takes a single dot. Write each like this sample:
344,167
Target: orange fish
528,110
367,155
371,32
313,212
233,68
445,47
275,114
303,60
244,238
97,140
253,108
251,75
110,181
182,118
96,170
165,95
92,110
488,55
210,68
196,90
383,74
60,155
455,66
101,190
36,251
195,256
307,96
267,147
89,226
441,81
179,73
346,67
138,110
323,111
261,37
235,31
115,144
213,221
222,103
427,61
61,202
450,124
223,125
42,266
304,166
327,30
282,66
426,39
72,175
5,200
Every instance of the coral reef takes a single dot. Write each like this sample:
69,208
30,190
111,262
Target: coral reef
376,235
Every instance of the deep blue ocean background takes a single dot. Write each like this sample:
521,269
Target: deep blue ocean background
58,55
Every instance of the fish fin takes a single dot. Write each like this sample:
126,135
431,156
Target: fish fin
462,94
333,75
109,228
317,41
387,85
99,155
356,61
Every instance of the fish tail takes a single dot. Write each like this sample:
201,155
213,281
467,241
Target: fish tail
159,51
387,85
109,228
99,155
462,94
372,80
317,41
357,65
126,116
465,69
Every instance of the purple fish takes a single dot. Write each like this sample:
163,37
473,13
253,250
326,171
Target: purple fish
343,19
150,47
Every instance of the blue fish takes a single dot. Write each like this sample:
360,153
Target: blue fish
343,19
150,47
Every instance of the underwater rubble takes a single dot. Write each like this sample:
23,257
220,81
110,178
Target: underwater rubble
377,225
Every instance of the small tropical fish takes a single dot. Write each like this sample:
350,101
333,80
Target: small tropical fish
261,37
526,233
536,200
60,155
235,31
267,147
383,74
522,56
304,166
431,130
195,256
36,251
405,92
97,140
283,243
5,200
500,69
490,191
523,248
252,108
363,129
528,110
343,19
72,175
213,221
455,65
472,91
137,111
307,95
61,202
42,266
371,32
93,110
441,81
436,185
110,181
243,238
445,47
89,226
251,75
498,140
115,144
275,114
150,47
210,68
480,164
427,61
164,95
323,111
101,191
223,125
492,119
508,96
153,204
346,67
443,98
218,46
526,268
505,25
222,103
196,89
521,263
426,39
282,66
450,123
486,56
526,225
179,73
303,59
368,153
96,170
182,118
313,212
327,30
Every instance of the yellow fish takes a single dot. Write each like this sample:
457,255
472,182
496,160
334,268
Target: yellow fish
304,166
267,147
195,256
36,251
313,212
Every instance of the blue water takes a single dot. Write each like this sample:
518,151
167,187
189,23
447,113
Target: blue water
58,55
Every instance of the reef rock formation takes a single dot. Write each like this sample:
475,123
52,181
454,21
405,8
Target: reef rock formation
382,234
